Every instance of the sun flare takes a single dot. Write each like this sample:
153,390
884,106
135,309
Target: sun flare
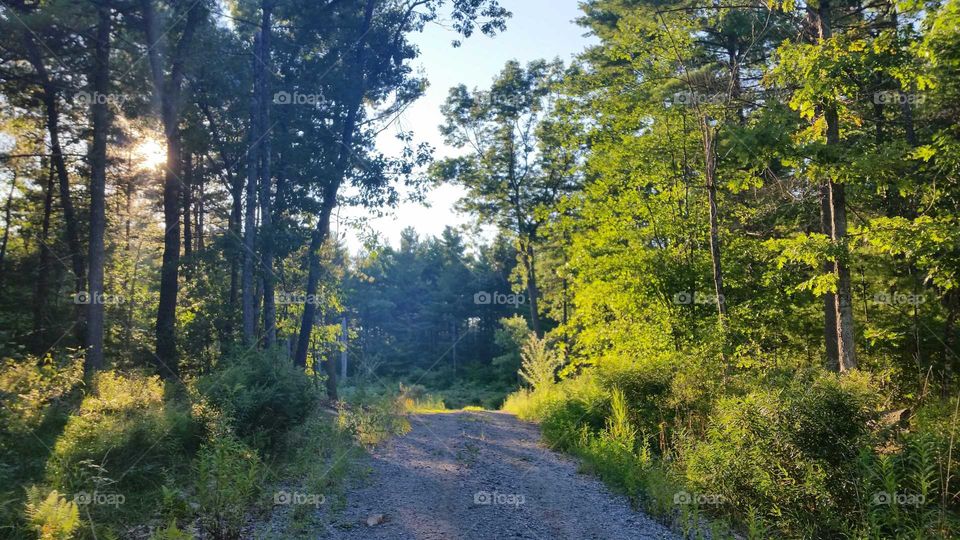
150,154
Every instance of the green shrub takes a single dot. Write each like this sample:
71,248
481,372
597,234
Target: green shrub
646,389
790,453
228,479
35,399
374,422
125,441
539,363
262,394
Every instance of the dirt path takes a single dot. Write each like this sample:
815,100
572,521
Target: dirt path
483,475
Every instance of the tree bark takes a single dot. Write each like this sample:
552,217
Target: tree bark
266,218
49,98
187,197
710,169
7,212
829,299
43,269
250,216
98,179
167,94
533,289
843,332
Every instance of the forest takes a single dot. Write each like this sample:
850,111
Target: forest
713,258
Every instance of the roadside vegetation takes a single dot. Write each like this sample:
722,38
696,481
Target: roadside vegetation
716,256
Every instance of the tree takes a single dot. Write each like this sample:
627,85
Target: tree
98,178
166,95
506,176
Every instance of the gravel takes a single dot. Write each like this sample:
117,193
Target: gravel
482,475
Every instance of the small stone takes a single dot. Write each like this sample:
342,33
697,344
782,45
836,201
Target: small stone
375,519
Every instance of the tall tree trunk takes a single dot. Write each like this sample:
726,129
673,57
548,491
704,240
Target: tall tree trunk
43,269
322,231
71,227
167,95
7,214
533,289
710,169
829,299
187,196
51,109
98,181
199,206
345,339
843,330
266,217
250,216
317,239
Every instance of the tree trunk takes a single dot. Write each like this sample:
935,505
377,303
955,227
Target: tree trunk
317,238
250,215
843,333
167,96
187,187
43,269
345,339
322,231
710,169
7,212
266,218
533,290
49,98
829,299
98,180
199,204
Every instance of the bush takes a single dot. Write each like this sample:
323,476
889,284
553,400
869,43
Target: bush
125,439
539,363
373,423
646,389
262,395
790,453
36,395
228,476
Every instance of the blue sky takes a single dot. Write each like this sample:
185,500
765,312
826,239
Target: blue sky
538,29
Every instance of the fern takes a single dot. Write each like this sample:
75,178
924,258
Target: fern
54,517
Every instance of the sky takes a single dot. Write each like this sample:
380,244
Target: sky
538,29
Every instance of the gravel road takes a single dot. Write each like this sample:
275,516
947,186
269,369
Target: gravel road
482,475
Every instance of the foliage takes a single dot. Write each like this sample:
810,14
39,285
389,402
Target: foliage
228,480
261,393
54,517
125,440
539,364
